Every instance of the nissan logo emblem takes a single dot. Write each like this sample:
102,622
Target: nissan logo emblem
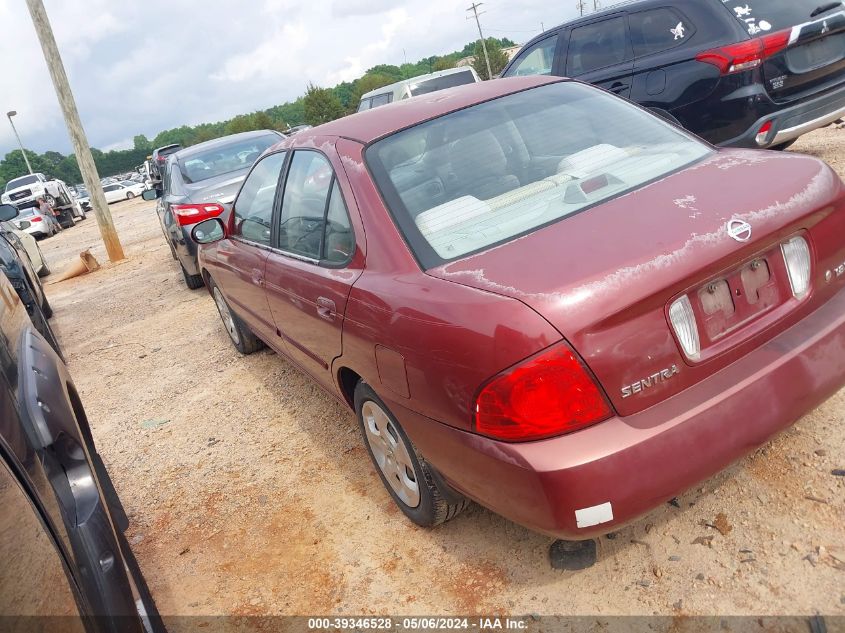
740,230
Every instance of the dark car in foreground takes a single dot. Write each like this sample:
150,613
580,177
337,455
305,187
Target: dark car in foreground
66,565
197,182
540,296
739,73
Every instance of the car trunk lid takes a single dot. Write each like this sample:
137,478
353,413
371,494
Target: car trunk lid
813,59
605,278
221,189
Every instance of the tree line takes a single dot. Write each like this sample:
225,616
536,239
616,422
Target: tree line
318,105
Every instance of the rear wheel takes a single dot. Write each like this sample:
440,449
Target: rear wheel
411,481
192,281
129,195
239,333
49,199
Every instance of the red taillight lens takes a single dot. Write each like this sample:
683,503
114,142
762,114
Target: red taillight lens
745,55
37,218
549,394
192,213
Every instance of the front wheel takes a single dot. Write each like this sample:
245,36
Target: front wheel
239,333
410,480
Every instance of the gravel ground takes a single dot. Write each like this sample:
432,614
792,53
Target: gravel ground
250,492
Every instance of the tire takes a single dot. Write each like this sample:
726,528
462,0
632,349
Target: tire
239,333
412,483
49,199
129,195
192,281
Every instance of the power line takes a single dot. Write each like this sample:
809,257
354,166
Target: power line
581,6
474,9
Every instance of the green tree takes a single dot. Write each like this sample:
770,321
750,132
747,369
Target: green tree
498,59
321,105
364,84
241,123
444,63
142,142
393,72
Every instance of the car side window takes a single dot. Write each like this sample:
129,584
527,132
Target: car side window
365,104
253,210
536,60
314,222
658,30
382,99
597,45
110,188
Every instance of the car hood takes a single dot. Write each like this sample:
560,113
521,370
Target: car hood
605,277
220,189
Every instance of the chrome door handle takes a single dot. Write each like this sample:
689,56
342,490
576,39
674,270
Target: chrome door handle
326,308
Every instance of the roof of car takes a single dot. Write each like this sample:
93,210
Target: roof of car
223,141
370,125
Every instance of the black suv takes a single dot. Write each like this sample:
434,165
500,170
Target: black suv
64,555
739,73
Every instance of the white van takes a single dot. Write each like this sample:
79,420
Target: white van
421,85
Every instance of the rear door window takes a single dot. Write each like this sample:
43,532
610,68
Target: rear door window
658,30
597,45
761,16
380,100
535,60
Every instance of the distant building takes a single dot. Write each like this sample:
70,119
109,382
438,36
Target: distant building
510,51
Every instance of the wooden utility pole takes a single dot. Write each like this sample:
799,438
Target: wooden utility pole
580,6
74,128
474,9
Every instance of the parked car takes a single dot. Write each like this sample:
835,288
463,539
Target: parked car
35,223
159,158
744,73
531,290
29,245
61,530
83,198
21,272
421,85
125,190
197,182
25,191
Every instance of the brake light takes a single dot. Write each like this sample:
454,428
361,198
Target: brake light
192,213
763,133
745,55
37,218
549,394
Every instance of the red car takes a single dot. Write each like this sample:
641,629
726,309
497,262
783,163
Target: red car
539,296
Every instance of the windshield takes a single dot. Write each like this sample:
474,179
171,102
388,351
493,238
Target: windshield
489,173
20,182
219,160
442,82
761,16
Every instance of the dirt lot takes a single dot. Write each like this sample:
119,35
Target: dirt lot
250,492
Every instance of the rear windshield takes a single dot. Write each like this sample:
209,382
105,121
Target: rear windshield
760,16
20,182
220,160
501,169
442,82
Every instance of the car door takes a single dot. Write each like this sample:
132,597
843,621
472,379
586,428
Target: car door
315,263
241,258
112,192
600,53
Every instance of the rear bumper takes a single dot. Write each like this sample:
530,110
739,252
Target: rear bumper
614,472
792,122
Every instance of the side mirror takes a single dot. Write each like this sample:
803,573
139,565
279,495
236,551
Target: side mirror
7,212
208,231
24,224
151,194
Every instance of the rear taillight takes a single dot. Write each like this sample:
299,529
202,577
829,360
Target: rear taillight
683,322
37,218
763,133
745,55
796,254
192,213
549,394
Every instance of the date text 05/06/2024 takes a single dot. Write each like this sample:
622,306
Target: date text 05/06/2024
418,623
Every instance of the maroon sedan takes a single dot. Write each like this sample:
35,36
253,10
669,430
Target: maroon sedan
538,296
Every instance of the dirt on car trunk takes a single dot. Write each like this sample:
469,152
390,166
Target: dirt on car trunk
250,492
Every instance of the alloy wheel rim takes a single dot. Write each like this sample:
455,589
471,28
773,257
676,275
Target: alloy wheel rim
226,315
391,453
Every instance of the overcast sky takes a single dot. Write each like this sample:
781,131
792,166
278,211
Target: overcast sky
142,67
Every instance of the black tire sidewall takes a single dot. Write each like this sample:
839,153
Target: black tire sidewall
424,514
